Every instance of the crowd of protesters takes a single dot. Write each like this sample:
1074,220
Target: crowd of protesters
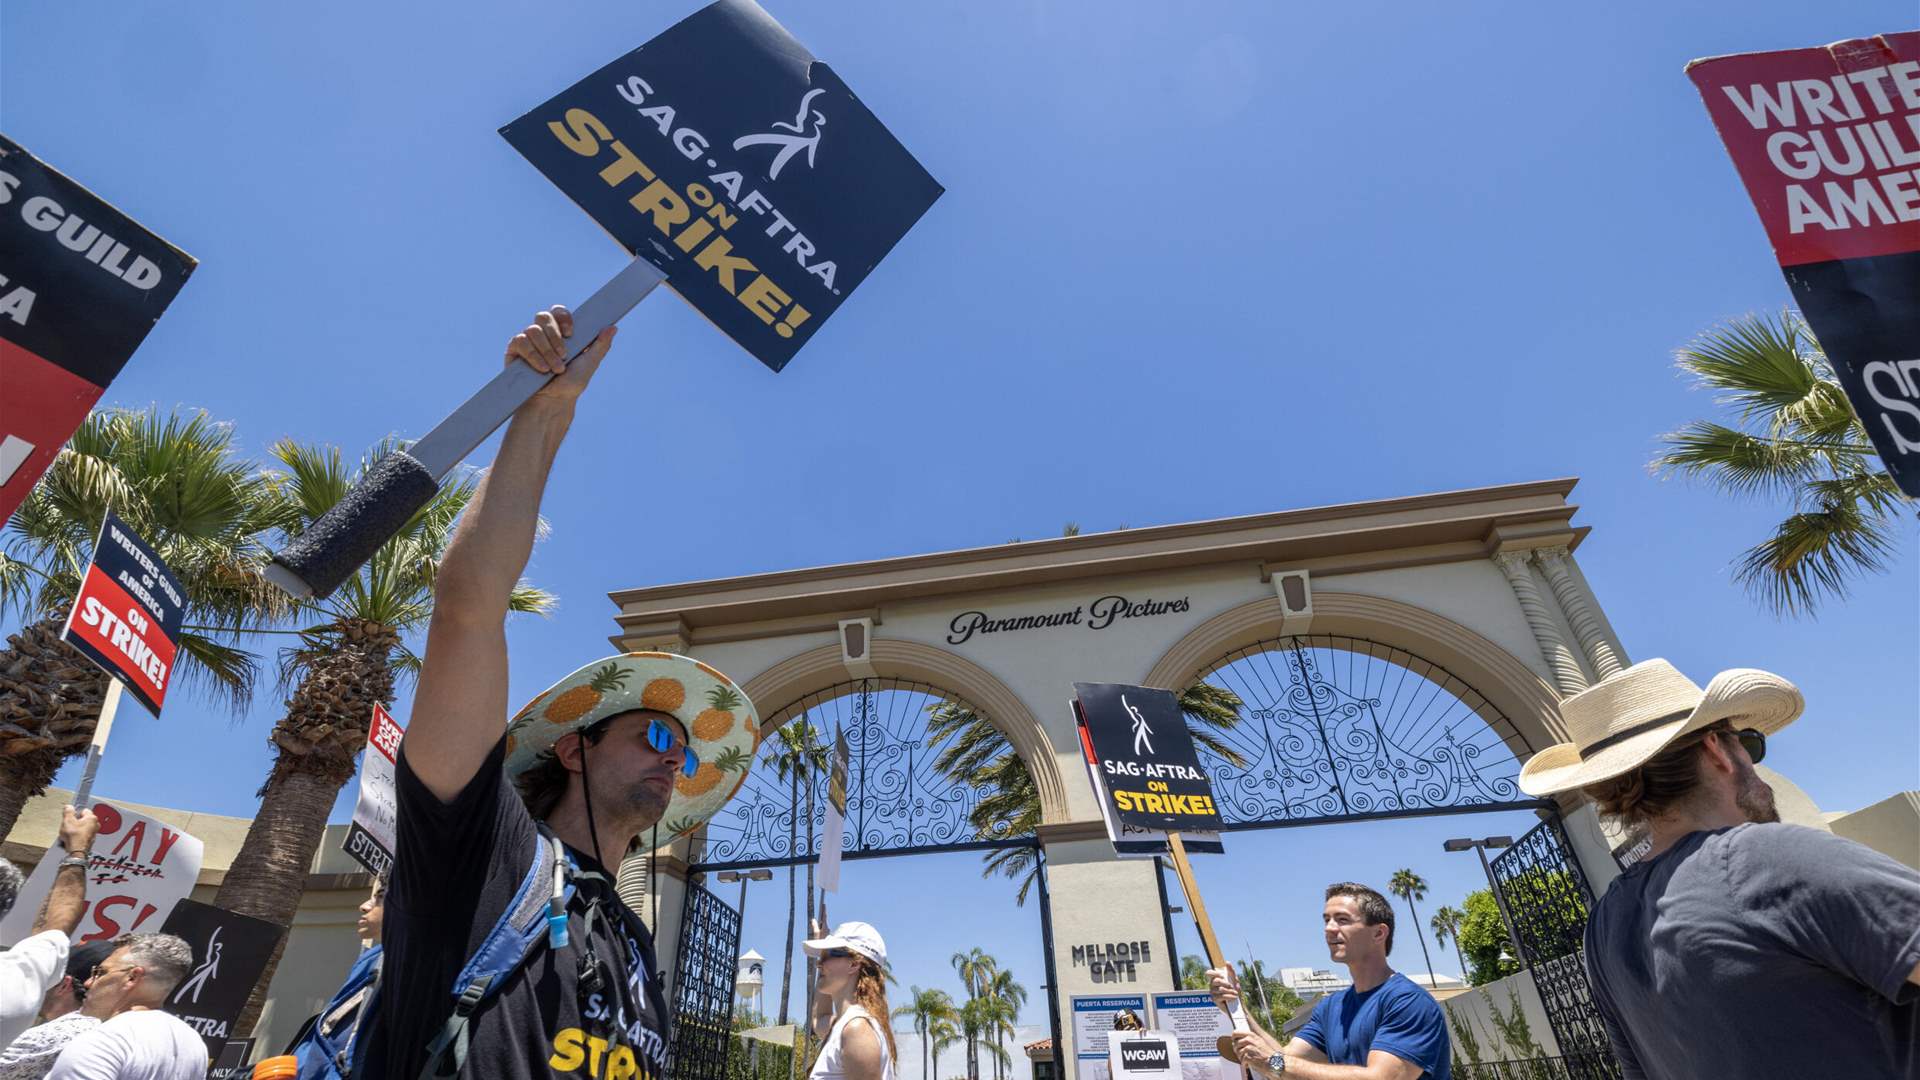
498,947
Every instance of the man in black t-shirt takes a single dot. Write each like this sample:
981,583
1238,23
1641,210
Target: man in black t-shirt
598,759
1738,945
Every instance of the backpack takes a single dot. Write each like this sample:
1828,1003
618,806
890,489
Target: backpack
329,1054
537,913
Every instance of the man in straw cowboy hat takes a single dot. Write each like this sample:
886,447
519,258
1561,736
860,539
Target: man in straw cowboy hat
503,894
1738,946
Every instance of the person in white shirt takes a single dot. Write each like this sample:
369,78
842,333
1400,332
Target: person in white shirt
850,1011
137,1041
36,963
32,1053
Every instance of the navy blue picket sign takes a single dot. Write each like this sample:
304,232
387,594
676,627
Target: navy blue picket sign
741,166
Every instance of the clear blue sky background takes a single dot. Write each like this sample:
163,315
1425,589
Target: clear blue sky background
1193,261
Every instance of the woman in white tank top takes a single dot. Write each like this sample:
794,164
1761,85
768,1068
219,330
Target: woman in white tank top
850,1008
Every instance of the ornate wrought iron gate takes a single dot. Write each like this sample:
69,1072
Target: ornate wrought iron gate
702,1002
900,801
1548,899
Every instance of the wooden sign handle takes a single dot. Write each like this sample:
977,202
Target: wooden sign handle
101,729
1216,957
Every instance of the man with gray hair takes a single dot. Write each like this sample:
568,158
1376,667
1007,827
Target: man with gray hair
138,1041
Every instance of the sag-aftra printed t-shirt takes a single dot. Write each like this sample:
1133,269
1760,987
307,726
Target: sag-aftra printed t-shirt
455,870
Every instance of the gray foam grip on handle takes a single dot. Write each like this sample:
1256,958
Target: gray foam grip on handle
368,516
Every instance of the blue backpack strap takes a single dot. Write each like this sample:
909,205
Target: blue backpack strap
324,1052
546,890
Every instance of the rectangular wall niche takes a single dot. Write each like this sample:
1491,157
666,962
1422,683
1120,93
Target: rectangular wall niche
1116,961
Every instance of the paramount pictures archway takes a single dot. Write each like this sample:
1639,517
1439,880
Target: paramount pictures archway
1394,659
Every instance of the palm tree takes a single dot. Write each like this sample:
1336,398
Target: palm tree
976,1019
177,481
928,1008
1795,441
975,752
1410,886
944,1031
1446,925
352,651
1193,973
1007,996
976,970
797,755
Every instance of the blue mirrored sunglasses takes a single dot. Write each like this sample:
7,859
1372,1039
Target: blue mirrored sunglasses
662,738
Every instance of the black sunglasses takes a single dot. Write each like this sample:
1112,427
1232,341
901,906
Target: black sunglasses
1753,742
837,954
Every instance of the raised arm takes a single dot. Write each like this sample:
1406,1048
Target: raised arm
67,901
460,711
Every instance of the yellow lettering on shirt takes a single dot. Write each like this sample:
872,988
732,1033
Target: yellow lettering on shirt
566,1050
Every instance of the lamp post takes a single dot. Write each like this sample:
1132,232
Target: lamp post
728,877
1479,847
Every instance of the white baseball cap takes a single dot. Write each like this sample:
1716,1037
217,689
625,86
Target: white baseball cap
855,937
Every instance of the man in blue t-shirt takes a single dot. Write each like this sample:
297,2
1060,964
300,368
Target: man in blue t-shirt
1383,1027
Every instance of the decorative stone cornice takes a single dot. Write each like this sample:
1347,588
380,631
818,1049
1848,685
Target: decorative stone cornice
1566,669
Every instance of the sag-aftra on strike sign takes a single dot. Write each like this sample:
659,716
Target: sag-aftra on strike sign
1136,740
724,153
127,615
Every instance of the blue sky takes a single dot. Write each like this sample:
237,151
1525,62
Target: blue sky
1193,261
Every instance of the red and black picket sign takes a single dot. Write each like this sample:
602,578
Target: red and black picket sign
81,284
127,615
1827,142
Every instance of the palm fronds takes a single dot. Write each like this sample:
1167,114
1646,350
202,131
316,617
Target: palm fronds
1796,440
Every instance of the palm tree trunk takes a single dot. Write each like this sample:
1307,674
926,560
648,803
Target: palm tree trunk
269,874
786,960
1417,932
324,727
924,1074
812,847
50,698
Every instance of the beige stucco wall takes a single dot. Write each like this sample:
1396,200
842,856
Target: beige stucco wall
1098,899
1890,826
1471,1009
1040,666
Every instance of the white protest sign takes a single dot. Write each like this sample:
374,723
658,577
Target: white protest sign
371,837
1193,1019
833,839
139,869
1093,1016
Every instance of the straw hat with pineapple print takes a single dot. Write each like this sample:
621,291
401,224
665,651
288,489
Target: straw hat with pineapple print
722,730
